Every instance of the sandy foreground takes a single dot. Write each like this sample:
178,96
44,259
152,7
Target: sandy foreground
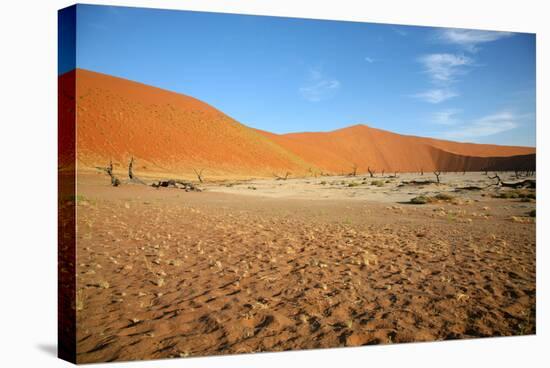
272,265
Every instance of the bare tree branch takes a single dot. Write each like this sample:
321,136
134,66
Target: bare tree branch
130,166
354,170
199,174
371,172
437,173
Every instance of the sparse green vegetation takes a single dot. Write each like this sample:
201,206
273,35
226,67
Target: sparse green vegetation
507,195
444,197
440,197
516,193
353,184
323,183
378,183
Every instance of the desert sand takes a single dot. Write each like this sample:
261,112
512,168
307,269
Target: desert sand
272,265
294,241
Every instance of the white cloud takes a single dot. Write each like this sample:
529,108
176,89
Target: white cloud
485,126
469,38
319,87
436,96
320,90
446,117
443,68
369,60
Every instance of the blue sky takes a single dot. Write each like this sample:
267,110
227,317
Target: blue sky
288,75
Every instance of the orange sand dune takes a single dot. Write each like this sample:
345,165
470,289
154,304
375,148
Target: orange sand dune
167,132
339,150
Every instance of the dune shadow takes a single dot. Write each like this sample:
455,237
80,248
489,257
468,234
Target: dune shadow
50,349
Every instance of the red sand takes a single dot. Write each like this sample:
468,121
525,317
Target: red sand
172,133
167,132
165,273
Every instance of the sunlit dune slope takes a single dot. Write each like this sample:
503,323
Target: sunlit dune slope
167,132
173,134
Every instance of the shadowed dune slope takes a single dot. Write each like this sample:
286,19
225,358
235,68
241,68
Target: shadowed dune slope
170,133
360,145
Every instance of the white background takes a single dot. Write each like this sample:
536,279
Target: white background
28,186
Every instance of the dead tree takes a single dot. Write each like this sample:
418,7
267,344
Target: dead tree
497,178
130,167
416,182
133,178
528,183
383,172
471,187
179,184
109,170
475,187
421,172
282,177
114,181
354,168
437,173
371,172
199,174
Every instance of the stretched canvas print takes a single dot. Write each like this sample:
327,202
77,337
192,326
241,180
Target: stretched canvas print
236,184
